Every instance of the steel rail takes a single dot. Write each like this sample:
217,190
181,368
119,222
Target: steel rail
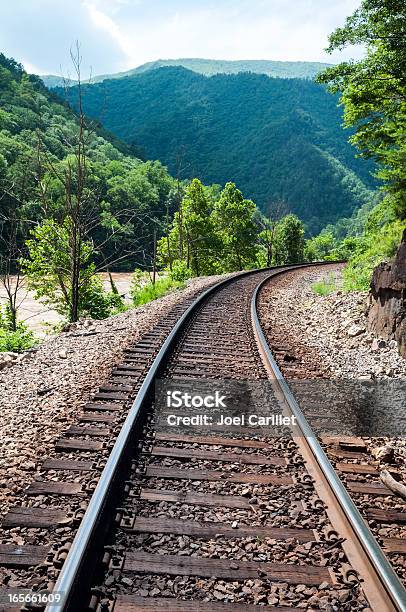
70,571
393,586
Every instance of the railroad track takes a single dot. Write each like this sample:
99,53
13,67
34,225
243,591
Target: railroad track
220,519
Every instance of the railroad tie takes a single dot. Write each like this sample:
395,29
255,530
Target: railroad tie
226,569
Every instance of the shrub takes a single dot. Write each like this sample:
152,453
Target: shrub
14,341
143,292
370,251
97,303
180,272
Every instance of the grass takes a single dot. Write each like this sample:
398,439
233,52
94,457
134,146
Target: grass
325,286
142,294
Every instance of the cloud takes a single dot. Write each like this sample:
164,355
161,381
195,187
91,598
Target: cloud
120,34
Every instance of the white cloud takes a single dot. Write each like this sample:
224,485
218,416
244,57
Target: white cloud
120,34
102,21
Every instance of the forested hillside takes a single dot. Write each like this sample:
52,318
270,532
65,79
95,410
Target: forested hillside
38,137
208,67
279,140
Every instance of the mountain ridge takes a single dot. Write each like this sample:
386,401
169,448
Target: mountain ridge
208,67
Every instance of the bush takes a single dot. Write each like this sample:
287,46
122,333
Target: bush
97,303
14,341
180,272
143,292
370,251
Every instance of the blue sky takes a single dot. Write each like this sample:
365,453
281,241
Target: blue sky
116,35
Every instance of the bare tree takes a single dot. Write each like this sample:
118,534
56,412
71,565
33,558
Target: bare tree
81,206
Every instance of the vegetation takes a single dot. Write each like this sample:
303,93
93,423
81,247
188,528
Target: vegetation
276,139
325,286
66,183
220,231
144,291
373,93
289,241
373,90
14,337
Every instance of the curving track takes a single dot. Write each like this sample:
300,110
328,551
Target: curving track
227,519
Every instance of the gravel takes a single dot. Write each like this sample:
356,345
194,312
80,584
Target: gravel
43,393
333,327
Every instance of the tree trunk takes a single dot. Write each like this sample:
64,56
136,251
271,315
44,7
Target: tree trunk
154,261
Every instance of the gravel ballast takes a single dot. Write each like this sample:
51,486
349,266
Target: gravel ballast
44,393
331,328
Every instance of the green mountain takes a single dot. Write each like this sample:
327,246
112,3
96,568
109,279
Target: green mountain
38,131
277,139
284,70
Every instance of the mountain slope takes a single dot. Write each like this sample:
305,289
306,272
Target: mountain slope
38,137
278,139
208,67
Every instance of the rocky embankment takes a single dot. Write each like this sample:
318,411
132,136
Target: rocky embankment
327,335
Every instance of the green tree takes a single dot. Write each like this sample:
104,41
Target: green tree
48,268
289,241
373,89
319,247
234,220
198,229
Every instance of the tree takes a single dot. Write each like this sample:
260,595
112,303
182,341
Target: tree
268,225
61,261
191,240
234,219
373,90
198,229
320,247
289,241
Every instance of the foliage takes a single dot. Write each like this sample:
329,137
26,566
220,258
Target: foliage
97,303
37,126
180,271
277,139
143,291
48,273
289,240
197,230
319,247
369,252
14,340
373,90
233,219
210,233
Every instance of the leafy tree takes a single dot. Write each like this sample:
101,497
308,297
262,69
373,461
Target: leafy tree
289,240
233,217
373,89
319,247
48,267
198,229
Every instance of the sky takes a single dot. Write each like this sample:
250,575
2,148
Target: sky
116,35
